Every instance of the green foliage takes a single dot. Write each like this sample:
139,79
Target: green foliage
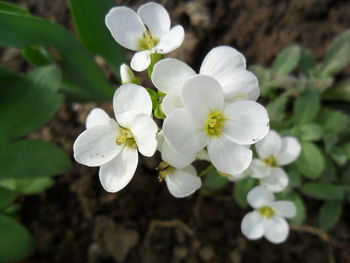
241,189
323,191
286,61
306,106
214,180
330,213
311,161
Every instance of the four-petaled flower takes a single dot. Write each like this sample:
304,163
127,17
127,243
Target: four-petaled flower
147,31
268,218
274,151
114,145
206,120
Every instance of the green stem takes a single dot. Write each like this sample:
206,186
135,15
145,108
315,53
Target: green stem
206,170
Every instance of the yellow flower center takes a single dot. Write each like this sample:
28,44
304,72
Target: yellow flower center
271,161
266,212
164,170
215,123
126,138
147,41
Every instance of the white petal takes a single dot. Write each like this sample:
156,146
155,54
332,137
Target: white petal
285,208
252,226
155,17
171,156
140,61
258,169
247,122
116,174
144,129
237,177
276,230
182,183
259,196
97,117
277,181
125,26
240,85
227,156
171,102
126,74
183,132
202,95
171,40
289,152
221,62
96,146
131,100
203,155
169,75
269,146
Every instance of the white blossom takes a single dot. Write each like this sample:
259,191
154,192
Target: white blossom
147,31
273,152
268,218
225,64
127,75
206,120
114,145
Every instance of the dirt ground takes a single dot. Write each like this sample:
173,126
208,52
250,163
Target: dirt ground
76,221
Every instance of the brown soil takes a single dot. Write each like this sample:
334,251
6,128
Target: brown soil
76,221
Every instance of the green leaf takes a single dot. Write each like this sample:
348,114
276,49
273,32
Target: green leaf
286,61
24,31
264,76
306,106
333,122
310,132
241,189
11,8
16,242
311,161
37,56
323,191
301,210
89,21
294,177
34,185
158,113
29,103
214,180
6,197
329,215
338,92
339,156
154,97
338,55
330,140
31,158
276,108
307,62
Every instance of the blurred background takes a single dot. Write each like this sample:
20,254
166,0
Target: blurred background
75,220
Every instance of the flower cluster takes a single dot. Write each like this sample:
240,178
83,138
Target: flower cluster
211,115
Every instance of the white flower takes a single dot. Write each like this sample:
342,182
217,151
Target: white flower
181,177
274,151
268,218
226,129
127,75
113,145
147,31
223,63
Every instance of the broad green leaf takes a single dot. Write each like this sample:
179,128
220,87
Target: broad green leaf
31,158
286,61
333,121
241,189
37,56
329,215
323,191
24,31
34,185
310,132
29,102
338,55
89,21
306,106
16,242
307,62
11,8
338,92
311,161
276,108
264,76
339,156
214,180
6,197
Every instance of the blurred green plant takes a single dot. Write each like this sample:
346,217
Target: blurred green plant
65,69
305,99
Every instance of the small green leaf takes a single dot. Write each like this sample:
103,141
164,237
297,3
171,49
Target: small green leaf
214,180
339,156
158,113
294,176
264,76
338,55
329,215
28,186
330,140
37,56
154,97
31,158
6,197
311,161
306,107
241,189
286,61
276,108
323,191
333,122
310,132
16,242
338,92
301,210
307,62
